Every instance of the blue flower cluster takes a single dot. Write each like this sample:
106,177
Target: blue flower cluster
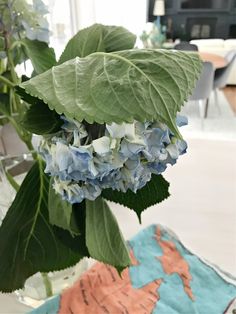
123,158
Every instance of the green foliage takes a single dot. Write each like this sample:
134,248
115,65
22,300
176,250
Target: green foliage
103,237
97,80
42,57
145,85
28,242
4,104
39,119
22,19
154,192
61,213
97,38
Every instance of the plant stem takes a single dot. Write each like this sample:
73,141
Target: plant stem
8,177
6,81
24,135
47,284
12,181
12,68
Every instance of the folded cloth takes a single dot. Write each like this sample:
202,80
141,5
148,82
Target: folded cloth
166,278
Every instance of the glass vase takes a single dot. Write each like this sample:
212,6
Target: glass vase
36,287
41,286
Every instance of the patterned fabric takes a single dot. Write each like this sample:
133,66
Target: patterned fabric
165,278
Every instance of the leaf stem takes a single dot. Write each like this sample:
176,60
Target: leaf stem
6,81
15,44
16,104
8,177
47,284
12,181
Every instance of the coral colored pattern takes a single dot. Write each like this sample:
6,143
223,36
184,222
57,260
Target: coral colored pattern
102,290
165,279
172,262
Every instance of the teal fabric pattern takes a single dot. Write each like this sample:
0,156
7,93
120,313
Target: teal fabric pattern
187,284
212,294
50,307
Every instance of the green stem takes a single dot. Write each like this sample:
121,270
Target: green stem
12,67
25,136
6,81
12,181
15,44
9,177
47,284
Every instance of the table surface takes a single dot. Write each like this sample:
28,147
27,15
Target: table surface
216,60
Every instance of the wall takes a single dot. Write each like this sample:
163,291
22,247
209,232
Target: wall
179,18
131,14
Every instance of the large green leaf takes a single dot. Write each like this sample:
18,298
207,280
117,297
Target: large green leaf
155,191
61,212
117,38
96,38
84,43
120,87
42,57
103,237
28,243
4,104
39,119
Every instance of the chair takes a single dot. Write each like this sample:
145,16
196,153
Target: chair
222,74
203,89
186,46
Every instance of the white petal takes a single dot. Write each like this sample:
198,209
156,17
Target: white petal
121,130
102,145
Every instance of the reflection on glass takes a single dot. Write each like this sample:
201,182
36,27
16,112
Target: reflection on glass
16,166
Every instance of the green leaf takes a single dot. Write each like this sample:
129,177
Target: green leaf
145,85
103,237
39,119
61,213
96,38
42,57
85,42
155,191
28,243
4,104
24,96
117,38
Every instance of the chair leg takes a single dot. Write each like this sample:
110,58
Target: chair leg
206,108
217,101
202,110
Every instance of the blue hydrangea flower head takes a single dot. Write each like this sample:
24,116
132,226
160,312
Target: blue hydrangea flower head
123,157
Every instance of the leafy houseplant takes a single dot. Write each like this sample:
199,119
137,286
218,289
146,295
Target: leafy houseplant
23,32
107,113
23,35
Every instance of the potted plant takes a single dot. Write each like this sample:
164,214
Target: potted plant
108,116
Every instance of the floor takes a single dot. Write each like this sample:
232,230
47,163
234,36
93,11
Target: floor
230,94
220,123
202,206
